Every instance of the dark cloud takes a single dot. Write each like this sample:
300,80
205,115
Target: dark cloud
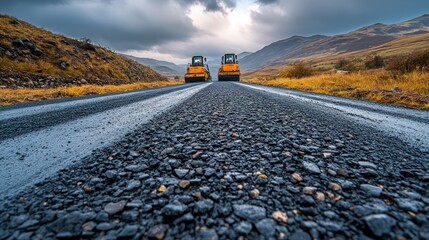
267,1
119,24
212,5
309,17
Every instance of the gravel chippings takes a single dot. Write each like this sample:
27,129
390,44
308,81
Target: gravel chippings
232,162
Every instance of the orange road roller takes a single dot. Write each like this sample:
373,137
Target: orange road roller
229,71
198,70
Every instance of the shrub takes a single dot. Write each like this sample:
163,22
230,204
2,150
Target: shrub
347,65
341,64
374,63
410,62
298,70
86,44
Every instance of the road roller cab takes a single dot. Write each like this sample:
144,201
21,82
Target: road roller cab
198,70
229,71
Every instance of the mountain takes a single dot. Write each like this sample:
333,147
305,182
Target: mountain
167,71
163,67
404,45
243,54
36,58
297,47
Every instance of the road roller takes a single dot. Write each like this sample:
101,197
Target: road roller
198,70
229,70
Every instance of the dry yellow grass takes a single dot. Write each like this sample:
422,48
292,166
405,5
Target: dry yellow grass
100,64
13,96
369,85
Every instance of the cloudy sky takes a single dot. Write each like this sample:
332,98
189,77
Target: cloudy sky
174,30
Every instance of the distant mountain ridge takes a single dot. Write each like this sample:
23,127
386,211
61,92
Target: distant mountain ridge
243,54
298,47
167,68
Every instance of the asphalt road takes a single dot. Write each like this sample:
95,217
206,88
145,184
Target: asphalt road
37,140
410,125
214,161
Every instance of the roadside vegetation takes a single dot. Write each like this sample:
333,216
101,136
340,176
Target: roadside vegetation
14,96
402,80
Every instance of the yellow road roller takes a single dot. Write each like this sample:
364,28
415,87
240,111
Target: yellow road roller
198,70
229,71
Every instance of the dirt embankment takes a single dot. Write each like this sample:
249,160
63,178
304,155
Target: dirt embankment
32,57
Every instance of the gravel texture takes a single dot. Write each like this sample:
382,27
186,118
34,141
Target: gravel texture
23,124
37,154
231,162
407,124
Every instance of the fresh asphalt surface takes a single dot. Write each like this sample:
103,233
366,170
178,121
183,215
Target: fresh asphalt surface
15,120
38,140
410,125
236,159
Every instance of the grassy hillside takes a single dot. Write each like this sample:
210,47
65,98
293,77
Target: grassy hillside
318,46
396,47
404,79
36,58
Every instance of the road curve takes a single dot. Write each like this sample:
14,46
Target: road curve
37,141
231,161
